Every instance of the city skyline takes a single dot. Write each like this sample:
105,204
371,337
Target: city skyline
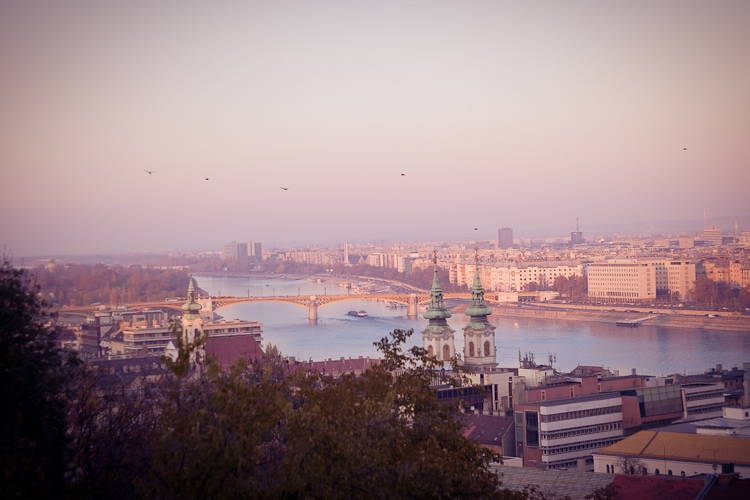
149,127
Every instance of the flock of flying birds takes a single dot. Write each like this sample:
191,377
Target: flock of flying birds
207,178
287,189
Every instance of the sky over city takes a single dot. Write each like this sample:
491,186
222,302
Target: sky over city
386,120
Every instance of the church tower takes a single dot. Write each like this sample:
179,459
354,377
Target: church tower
479,334
438,338
192,322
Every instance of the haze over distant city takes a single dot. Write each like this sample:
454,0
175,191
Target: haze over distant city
386,121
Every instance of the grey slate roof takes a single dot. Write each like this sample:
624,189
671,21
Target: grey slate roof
553,483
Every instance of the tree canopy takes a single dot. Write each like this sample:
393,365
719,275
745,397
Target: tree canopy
33,375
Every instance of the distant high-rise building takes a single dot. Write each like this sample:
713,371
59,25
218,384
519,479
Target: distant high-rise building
254,251
505,237
712,235
234,251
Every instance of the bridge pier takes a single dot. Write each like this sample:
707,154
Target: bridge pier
312,312
412,309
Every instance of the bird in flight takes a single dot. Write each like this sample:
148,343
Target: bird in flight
684,149
403,175
285,189
149,171
206,178
476,228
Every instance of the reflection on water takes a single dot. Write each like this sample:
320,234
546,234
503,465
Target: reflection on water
651,350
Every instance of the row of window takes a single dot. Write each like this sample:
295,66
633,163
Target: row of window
558,417
704,395
594,444
644,471
581,431
705,409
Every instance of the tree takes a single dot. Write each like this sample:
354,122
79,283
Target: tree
276,432
33,376
630,465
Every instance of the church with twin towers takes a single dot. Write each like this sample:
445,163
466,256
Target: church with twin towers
438,338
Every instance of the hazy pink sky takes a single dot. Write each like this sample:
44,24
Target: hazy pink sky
522,114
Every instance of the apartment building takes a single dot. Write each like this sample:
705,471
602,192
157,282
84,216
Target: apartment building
515,276
701,401
622,281
234,251
153,339
560,425
505,237
680,278
564,433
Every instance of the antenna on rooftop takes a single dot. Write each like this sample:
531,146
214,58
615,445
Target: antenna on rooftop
577,230
705,218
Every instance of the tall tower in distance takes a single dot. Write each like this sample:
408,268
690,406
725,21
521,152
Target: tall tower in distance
576,237
505,237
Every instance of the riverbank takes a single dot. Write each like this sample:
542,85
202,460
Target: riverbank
739,323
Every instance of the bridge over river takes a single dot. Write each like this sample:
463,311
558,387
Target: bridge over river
312,302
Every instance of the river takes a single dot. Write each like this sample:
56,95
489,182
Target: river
650,350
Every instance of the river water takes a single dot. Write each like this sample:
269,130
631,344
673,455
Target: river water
650,350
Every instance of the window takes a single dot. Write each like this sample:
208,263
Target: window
487,348
532,428
471,349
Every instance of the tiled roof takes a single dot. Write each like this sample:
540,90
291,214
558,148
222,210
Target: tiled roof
338,367
729,487
229,349
680,446
553,483
661,487
486,429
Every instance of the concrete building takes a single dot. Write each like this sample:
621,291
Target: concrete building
678,454
563,434
712,235
560,424
234,251
701,400
255,251
515,276
505,237
622,281
681,276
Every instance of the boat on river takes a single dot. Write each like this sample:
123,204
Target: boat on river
358,314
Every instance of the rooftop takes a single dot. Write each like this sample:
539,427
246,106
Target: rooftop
680,446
